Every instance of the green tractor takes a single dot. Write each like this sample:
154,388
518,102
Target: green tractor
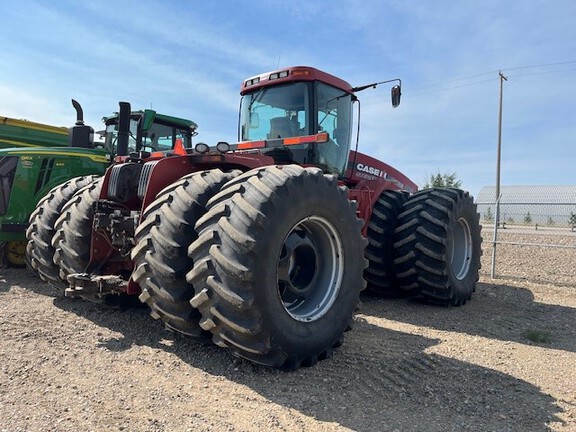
33,171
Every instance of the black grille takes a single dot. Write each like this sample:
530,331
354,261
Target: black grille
123,185
145,178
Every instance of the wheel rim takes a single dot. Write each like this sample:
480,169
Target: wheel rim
15,253
461,249
310,269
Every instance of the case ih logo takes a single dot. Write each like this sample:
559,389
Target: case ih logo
371,170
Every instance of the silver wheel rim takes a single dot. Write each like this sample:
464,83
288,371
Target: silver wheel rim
310,269
461,249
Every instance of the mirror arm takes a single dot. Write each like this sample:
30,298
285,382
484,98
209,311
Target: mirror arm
373,85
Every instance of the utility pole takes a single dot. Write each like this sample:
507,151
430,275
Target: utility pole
498,157
502,79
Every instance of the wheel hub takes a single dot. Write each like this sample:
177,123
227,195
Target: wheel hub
297,265
461,249
310,269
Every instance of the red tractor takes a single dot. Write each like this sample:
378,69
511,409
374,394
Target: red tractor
268,242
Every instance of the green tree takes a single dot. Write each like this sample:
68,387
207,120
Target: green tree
528,218
550,221
488,216
572,220
442,180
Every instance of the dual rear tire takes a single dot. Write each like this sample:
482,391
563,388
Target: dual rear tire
427,245
437,245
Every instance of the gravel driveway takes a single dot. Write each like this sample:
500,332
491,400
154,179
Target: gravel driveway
506,361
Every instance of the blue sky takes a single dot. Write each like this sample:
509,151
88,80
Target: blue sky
188,58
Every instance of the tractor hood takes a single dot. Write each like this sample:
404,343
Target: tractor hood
97,155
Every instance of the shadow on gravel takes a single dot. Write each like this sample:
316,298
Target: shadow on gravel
25,278
378,380
496,311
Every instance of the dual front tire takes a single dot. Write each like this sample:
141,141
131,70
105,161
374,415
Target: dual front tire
278,266
268,262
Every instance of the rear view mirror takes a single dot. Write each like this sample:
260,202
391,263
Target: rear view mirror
254,120
396,93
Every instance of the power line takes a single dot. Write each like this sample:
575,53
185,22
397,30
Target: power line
442,83
542,73
540,65
493,72
450,88
442,86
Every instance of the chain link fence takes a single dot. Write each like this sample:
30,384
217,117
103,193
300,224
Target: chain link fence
530,233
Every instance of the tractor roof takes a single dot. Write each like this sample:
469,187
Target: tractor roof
185,123
293,74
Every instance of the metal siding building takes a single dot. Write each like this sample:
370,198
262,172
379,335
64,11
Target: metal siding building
537,204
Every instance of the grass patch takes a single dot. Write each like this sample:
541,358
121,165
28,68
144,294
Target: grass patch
539,336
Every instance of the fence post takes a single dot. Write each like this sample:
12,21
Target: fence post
494,242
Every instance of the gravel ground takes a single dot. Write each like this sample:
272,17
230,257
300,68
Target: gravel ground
554,264
503,362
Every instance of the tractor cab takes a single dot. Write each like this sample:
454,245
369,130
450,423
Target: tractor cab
301,115
304,115
148,131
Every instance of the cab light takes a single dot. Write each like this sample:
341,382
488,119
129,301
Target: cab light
223,147
301,72
202,148
252,82
277,75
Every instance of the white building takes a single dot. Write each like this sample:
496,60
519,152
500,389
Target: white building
542,205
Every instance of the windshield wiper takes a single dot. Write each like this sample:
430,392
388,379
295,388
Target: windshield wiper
257,97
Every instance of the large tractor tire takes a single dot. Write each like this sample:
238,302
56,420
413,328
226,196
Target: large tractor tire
39,249
380,275
72,240
278,266
160,256
438,246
